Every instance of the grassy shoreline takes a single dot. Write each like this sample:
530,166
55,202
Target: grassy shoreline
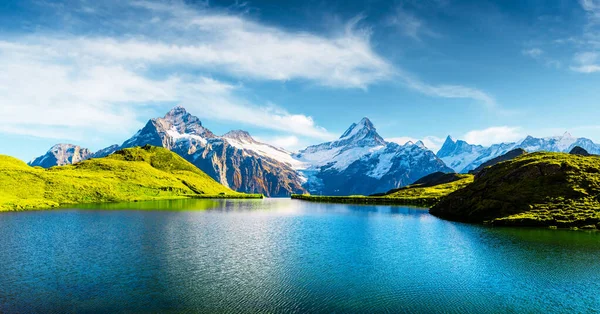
30,206
367,200
129,175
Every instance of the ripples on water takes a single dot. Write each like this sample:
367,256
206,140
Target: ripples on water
286,256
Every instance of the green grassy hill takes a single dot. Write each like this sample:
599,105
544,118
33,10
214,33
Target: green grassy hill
538,189
433,191
423,194
141,173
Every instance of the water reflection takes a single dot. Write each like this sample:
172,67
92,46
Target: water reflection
277,255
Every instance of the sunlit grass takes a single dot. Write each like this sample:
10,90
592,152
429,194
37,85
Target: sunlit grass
411,195
538,189
134,174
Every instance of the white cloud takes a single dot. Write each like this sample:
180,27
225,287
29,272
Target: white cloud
43,97
409,24
244,48
449,91
61,85
586,62
592,7
533,52
494,135
291,143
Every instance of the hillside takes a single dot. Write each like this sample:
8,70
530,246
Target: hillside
537,189
423,194
508,156
132,174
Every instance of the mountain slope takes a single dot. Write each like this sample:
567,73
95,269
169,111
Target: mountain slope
536,189
131,174
235,160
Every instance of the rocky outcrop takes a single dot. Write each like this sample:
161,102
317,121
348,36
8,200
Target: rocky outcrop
60,155
578,150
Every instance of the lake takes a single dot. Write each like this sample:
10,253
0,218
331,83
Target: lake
281,255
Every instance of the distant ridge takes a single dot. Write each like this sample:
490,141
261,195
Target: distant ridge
508,156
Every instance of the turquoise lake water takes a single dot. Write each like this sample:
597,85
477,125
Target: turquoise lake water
280,255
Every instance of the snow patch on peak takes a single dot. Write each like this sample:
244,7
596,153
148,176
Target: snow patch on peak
177,136
356,128
242,140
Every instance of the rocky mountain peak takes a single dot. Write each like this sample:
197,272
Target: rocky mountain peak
448,147
62,147
177,111
182,120
362,133
62,154
449,140
239,135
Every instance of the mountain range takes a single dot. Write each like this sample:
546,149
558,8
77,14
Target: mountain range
360,161
463,157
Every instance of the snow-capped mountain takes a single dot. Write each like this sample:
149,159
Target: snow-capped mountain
461,160
235,159
60,155
457,154
359,140
361,162
243,140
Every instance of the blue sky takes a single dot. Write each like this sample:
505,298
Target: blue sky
296,73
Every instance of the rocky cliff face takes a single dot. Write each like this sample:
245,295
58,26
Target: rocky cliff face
235,160
60,155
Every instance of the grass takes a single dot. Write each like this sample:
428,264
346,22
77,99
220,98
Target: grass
417,195
540,189
133,174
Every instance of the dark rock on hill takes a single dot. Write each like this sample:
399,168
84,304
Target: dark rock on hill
437,178
578,150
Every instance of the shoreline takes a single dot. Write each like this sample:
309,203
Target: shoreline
53,205
367,200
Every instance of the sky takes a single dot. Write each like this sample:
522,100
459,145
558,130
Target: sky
298,72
